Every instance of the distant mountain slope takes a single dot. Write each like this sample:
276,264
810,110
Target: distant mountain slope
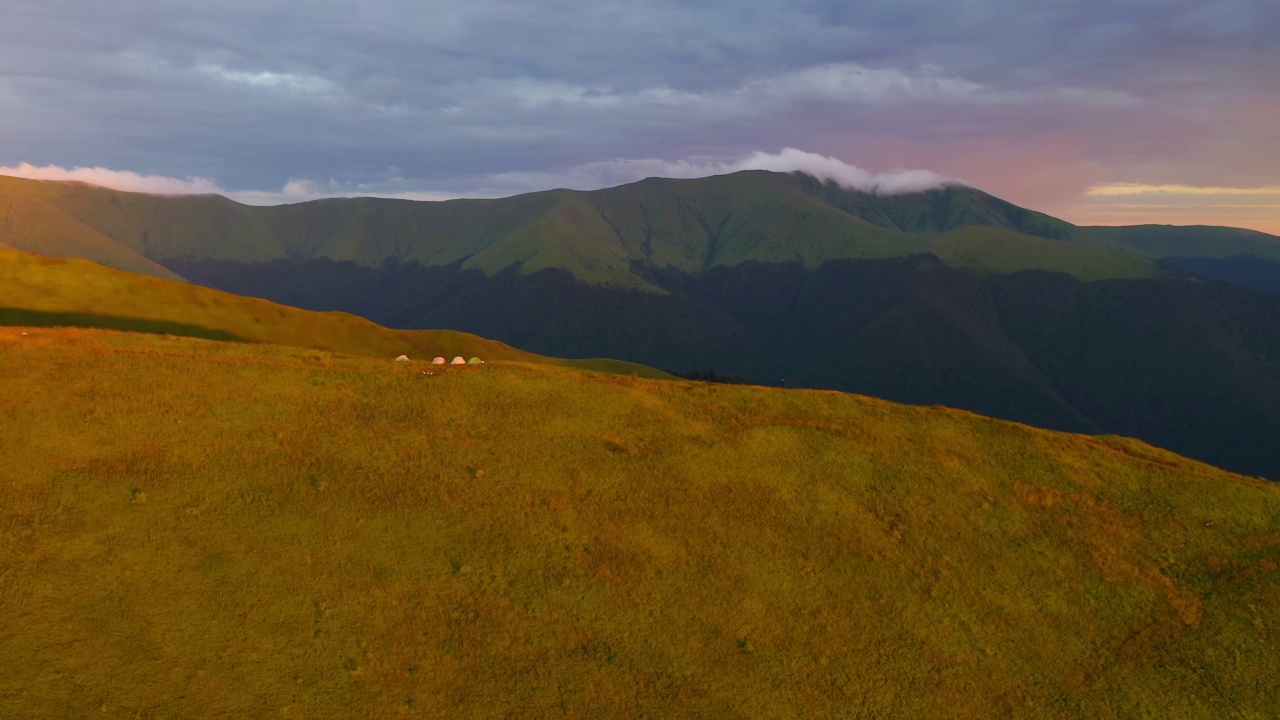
36,290
995,251
1162,241
940,210
1234,255
31,220
605,237
1187,365
609,236
196,529
1248,271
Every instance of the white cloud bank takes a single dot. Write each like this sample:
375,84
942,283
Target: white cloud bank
583,177
296,191
128,181
831,83
267,80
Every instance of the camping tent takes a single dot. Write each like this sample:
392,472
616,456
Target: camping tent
403,358
438,361
475,361
458,361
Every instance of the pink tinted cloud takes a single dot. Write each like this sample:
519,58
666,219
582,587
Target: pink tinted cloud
1053,172
123,180
1028,171
129,181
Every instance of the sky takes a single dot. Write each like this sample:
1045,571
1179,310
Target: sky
1099,112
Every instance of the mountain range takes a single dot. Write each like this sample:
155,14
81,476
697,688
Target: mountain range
950,297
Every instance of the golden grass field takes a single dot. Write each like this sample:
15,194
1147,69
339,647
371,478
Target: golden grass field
207,529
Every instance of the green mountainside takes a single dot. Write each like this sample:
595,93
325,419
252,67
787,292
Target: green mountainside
1161,241
208,529
35,220
1243,257
994,251
601,237
934,211
42,291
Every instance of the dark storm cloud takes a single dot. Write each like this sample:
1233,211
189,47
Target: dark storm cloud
464,97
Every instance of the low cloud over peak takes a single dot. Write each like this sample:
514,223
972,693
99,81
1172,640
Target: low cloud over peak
590,176
618,171
850,177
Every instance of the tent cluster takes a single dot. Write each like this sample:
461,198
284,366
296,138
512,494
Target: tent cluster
441,361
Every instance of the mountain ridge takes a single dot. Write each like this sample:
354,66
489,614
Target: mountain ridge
602,235
598,235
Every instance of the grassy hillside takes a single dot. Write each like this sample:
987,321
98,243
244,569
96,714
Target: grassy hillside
36,290
197,529
1003,252
606,237
600,237
1161,241
34,221
1242,257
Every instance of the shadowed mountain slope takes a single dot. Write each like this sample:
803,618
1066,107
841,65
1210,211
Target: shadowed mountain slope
1162,241
41,291
1234,255
1184,364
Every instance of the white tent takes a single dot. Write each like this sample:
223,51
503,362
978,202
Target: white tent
438,361
458,361
403,358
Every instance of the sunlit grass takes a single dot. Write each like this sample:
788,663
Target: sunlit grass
192,528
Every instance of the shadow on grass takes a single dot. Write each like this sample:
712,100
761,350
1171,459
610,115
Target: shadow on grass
35,318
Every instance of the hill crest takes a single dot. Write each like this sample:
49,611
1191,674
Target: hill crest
39,290
198,528
606,237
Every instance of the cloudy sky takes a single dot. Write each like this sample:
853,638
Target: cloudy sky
1097,111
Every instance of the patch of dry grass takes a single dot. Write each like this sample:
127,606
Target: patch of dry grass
199,529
